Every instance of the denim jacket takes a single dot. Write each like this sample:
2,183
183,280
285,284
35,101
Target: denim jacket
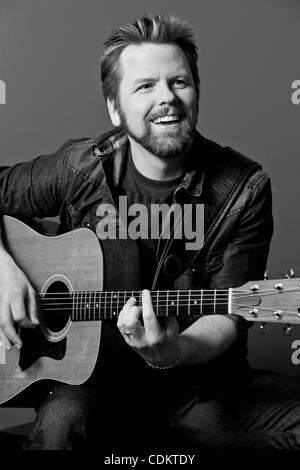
85,172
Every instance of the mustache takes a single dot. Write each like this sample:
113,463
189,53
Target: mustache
167,111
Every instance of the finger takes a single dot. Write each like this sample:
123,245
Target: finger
8,333
12,336
19,313
151,323
129,319
26,323
4,340
31,305
18,309
171,326
129,314
130,303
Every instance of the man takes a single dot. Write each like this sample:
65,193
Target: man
188,380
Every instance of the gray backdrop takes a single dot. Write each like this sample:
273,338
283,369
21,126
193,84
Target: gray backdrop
249,57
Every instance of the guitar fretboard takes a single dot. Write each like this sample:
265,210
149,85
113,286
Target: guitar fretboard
102,305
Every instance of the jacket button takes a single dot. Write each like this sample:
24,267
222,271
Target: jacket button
87,224
172,266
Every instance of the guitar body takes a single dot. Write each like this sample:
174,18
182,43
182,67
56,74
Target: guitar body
59,348
78,283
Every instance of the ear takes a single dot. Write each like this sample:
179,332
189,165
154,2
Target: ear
113,112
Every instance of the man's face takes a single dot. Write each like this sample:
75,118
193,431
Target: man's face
157,98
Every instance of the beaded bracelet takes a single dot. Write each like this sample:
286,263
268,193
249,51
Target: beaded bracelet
169,366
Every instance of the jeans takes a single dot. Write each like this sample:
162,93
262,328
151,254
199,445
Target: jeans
265,416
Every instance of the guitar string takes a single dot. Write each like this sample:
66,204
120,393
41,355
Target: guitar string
158,313
92,305
168,300
215,299
171,293
115,296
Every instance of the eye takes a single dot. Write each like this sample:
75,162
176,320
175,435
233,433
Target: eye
180,83
144,87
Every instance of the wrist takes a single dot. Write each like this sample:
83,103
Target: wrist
174,362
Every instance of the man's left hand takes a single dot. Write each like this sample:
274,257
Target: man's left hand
157,344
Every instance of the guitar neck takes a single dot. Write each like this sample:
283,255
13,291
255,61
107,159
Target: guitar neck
265,301
102,305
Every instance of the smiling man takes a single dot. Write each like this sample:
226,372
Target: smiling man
157,381
157,104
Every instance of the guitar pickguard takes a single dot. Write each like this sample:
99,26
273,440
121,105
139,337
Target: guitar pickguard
35,346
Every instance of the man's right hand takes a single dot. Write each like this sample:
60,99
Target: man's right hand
17,301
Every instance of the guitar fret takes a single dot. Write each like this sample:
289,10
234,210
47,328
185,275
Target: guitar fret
73,316
86,312
93,294
83,305
189,303
177,302
111,296
105,304
78,305
97,301
201,303
215,300
90,305
114,312
167,306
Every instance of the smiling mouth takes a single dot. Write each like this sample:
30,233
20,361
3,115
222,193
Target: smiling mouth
166,120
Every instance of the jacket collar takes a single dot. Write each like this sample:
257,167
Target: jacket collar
112,149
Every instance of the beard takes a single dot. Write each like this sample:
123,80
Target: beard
169,144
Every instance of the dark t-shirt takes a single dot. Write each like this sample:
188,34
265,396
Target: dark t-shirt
142,190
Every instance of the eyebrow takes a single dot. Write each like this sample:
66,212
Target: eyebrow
141,80
148,79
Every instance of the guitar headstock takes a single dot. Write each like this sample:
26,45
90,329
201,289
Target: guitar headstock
276,301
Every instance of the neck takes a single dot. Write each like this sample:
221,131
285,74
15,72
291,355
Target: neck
154,167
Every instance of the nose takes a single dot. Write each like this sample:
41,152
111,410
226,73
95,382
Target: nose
165,94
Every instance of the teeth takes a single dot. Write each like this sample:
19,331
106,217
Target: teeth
166,119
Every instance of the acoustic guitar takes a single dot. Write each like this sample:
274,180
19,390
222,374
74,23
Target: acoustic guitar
67,272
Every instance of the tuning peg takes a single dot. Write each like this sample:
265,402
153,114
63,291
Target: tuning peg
262,328
289,273
266,275
287,330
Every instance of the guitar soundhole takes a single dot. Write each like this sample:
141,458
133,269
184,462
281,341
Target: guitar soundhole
56,306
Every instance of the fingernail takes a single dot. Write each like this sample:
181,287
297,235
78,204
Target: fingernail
18,346
145,293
